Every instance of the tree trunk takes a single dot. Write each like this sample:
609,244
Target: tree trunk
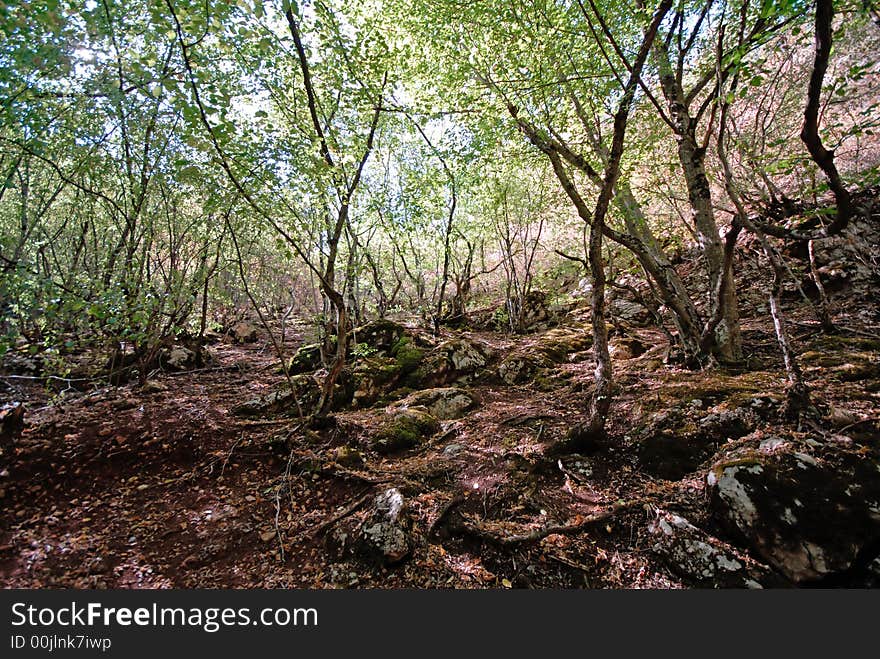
669,285
691,157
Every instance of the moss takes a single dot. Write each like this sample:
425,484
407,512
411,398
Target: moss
406,429
557,344
846,366
371,377
400,392
379,334
712,387
547,381
304,396
379,369
819,358
444,403
348,456
407,354
306,359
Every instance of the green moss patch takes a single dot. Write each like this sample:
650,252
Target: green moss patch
406,429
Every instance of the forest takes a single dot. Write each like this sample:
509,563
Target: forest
439,294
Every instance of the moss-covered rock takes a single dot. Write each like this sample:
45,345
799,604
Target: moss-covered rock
681,439
184,358
381,335
850,359
457,360
519,367
372,377
243,332
557,344
302,397
307,359
407,354
703,560
443,403
626,347
348,456
810,512
543,352
405,428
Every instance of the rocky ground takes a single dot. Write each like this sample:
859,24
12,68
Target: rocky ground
436,471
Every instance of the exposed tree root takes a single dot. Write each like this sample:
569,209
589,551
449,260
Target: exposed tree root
447,508
333,519
481,532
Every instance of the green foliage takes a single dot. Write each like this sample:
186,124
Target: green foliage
155,158
363,350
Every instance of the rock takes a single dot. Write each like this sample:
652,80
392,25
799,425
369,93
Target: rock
180,359
407,354
21,363
809,515
578,466
675,445
534,309
857,372
518,368
772,445
873,571
372,377
375,376
841,418
840,258
306,392
464,356
443,403
243,332
550,348
703,560
11,422
626,347
183,358
452,450
584,288
727,424
405,428
307,359
348,456
456,360
764,406
379,334
385,534
557,344
629,311
382,355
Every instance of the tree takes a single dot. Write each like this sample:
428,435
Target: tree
338,152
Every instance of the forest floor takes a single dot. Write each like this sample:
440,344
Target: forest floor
163,486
